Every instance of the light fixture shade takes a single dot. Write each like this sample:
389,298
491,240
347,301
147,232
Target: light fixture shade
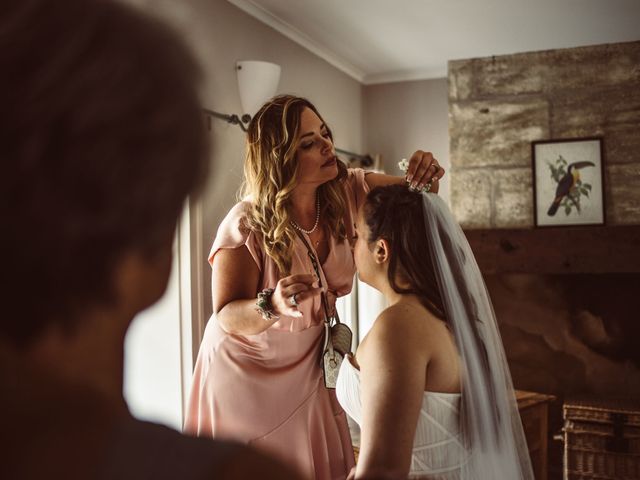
257,83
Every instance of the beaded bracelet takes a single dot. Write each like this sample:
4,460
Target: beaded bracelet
264,304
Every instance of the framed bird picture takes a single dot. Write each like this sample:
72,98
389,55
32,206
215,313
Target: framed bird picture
568,182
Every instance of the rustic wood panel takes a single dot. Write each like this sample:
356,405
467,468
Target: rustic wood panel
557,250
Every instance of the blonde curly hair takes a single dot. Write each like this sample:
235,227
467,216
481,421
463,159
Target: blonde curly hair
270,176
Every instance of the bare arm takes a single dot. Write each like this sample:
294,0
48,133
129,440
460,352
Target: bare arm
419,173
393,367
234,281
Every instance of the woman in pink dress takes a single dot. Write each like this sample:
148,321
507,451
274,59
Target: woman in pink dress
258,378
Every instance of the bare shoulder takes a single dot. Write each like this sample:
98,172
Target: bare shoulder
402,319
400,330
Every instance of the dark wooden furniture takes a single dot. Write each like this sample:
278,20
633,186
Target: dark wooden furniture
534,412
559,250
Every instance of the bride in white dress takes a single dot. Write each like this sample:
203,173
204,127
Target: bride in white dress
429,386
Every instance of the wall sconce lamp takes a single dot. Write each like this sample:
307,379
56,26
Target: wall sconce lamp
257,83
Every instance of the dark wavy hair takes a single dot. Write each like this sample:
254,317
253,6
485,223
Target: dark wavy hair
102,140
395,213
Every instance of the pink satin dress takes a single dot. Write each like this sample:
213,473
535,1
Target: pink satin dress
266,390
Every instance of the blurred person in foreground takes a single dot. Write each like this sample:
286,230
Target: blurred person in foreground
102,141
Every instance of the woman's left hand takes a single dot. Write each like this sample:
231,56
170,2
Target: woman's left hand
424,168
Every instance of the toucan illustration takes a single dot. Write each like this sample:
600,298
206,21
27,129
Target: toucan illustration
566,184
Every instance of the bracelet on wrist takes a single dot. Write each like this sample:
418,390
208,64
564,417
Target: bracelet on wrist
265,308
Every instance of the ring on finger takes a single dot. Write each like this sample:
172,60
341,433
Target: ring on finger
293,300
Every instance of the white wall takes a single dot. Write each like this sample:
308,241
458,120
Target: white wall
402,117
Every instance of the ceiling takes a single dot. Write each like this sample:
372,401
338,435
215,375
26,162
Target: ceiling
379,41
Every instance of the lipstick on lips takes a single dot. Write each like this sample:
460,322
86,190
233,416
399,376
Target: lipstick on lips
329,162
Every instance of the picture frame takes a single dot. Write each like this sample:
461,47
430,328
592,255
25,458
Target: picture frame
568,182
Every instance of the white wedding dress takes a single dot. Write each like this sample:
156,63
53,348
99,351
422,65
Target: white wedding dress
437,452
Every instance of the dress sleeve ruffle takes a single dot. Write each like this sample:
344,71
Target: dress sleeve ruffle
358,185
233,233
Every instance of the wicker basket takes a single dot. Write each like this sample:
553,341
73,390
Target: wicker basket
601,440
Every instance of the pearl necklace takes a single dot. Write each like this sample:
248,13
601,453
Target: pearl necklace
315,225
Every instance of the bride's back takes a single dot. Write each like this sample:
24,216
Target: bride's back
423,332
407,393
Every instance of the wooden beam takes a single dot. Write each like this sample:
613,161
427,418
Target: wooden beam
557,250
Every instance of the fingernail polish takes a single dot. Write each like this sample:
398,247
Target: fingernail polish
409,178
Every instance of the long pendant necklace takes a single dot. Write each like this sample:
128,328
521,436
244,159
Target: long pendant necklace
315,225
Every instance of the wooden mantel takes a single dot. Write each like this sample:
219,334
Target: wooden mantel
567,250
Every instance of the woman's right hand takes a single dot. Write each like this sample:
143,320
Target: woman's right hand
301,285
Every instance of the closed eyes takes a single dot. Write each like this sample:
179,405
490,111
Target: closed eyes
308,145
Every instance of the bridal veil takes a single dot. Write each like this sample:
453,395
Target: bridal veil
490,423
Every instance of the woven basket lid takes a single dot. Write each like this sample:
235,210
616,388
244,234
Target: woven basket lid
621,405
